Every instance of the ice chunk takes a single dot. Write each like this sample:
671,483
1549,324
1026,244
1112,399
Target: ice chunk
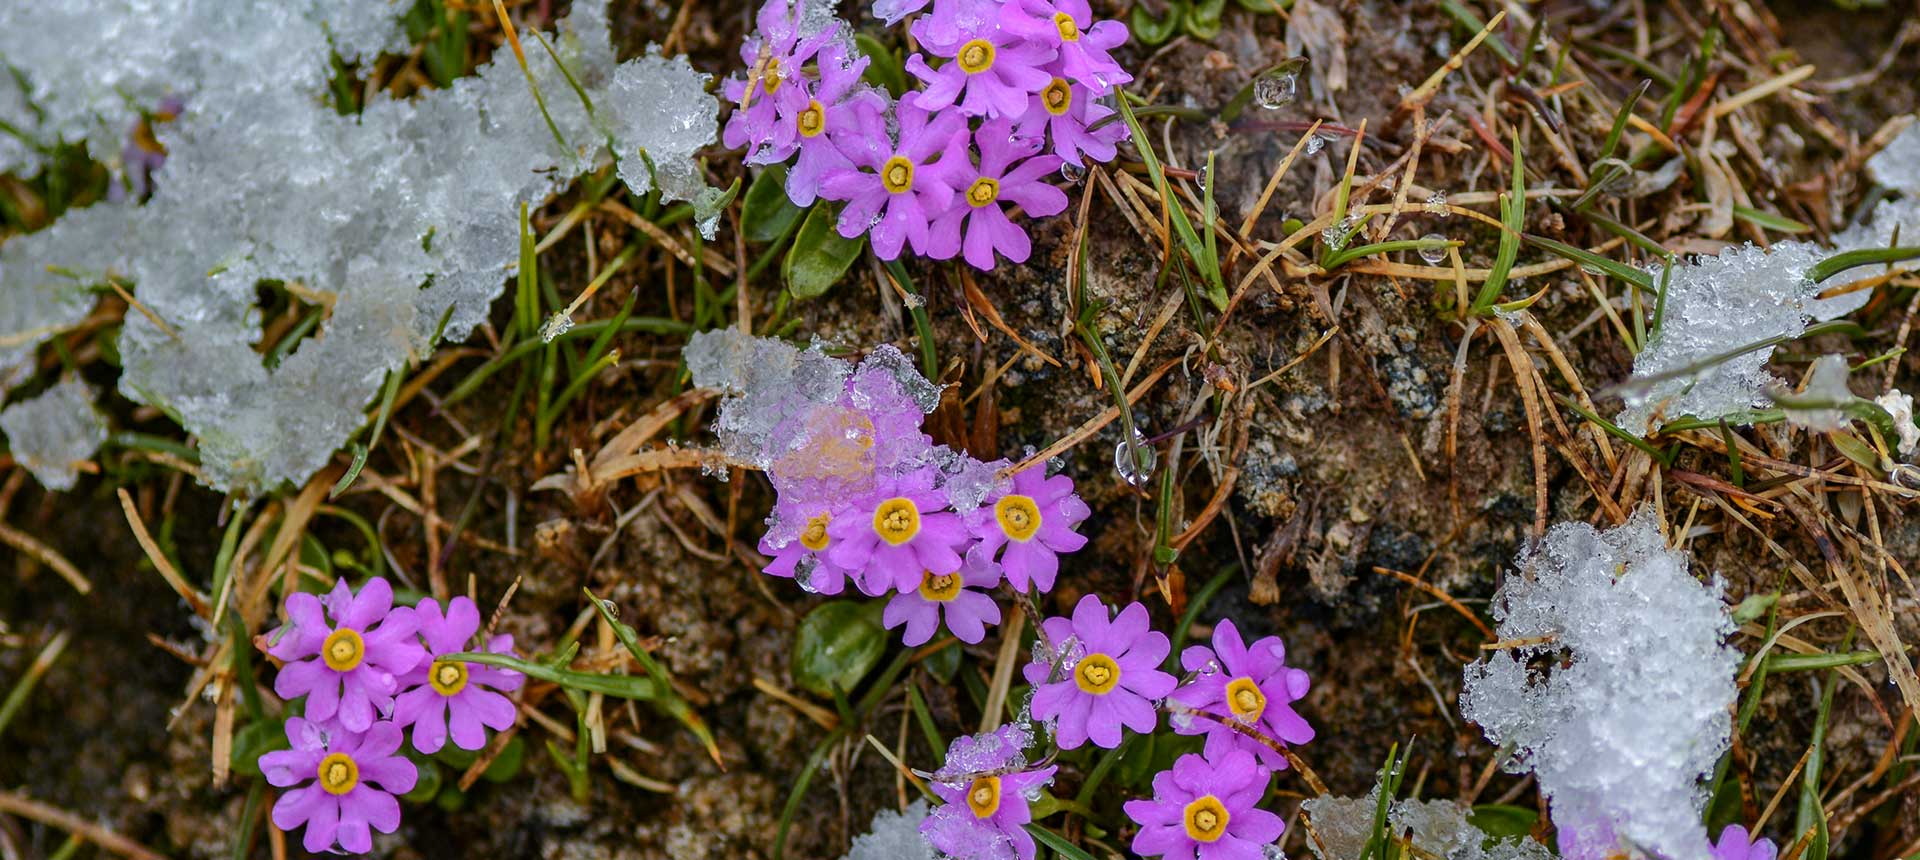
403,219
893,836
1900,405
1898,165
54,432
1621,700
1438,828
1826,384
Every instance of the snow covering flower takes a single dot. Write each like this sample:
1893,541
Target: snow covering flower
897,184
775,91
1112,683
1205,807
447,695
359,647
899,533
804,558
1248,684
992,70
1737,844
967,612
1028,528
1009,171
1067,26
839,101
1064,112
987,788
346,783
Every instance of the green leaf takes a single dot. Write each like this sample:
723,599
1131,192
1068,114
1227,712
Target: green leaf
668,700
1152,31
883,68
618,686
1804,662
767,214
428,785
254,740
507,764
1584,257
1266,6
837,644
1838,263
1770,221
820,256
1500,821
1055,841
942,664
1203,18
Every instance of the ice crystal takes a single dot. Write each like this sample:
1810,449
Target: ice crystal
1634,704
893,836
1900,405
1826,384
1898,165
1438,828
404,217
1717,305
52,433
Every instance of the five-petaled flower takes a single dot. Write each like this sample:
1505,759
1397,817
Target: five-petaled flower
899,533
1025,531
833,115
771,98
990,70
968,612
897,184
1067,26
447,696
1114,681
1248,685
346,783
987,785
1737,844
1206,807
804,558
1064,113
345,652
1010,171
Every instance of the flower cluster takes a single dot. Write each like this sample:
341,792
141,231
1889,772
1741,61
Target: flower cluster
865,497
368,670
1013,98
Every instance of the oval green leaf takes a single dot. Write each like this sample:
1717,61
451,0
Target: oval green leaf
767,214
1501,821
820,256
837,644
883,68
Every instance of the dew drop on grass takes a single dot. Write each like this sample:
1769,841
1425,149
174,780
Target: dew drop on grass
1134,462
1276,90
1437,204
1315,144
1433,254
555,326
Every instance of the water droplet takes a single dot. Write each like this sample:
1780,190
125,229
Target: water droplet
1032,794
1272,851
1276,90
555,326
803,574
1335,235
1212,667
1180,720
1134,462
1315,144
1433,253
1072,173
1437,204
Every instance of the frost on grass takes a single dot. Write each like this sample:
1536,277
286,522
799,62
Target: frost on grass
1717,305
1898,165
403,219
893,836
1624,703
54,432
1438,828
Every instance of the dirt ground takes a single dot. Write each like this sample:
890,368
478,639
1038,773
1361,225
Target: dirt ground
1344,472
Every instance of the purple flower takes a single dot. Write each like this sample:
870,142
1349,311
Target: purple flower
835,110
803,558
1034,524
1249,685
774,92
895,189
1737,844
1205,807
1066,112
1112,683
899,533
1008,172
360,645
455,695
354,779
986,787
968,612
992,71
1067,26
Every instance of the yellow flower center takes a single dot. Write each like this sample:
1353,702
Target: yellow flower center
897,175
983,797
771,77
448,678
1058,96
897,520
343,650
1245,700
1069,31
813,120
338,774
815,537
983,191
940,587
1097,674
1206,819
976,56
1019,517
